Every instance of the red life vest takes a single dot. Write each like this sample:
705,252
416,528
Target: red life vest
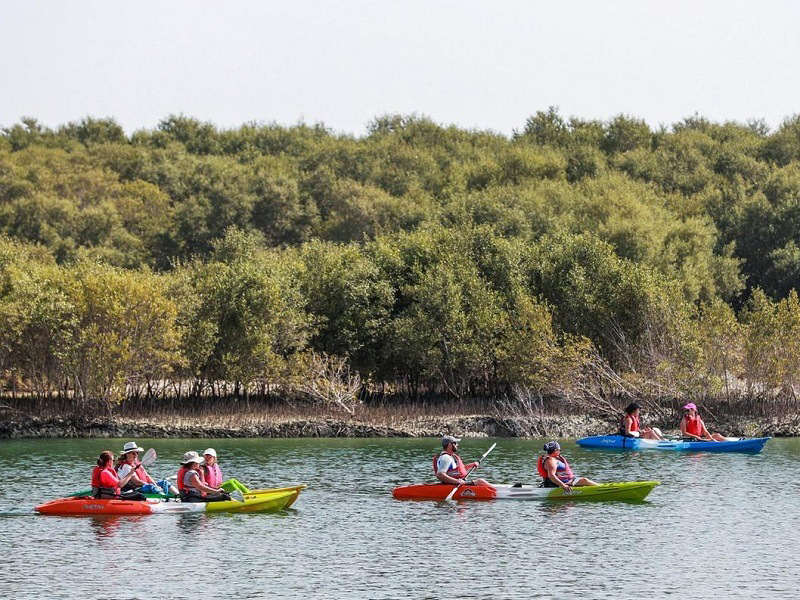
97,480
634,423
694,425
182,487
563,471
460,472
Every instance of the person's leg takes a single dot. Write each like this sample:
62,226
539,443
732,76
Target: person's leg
718,437
222,497
234,484
582,481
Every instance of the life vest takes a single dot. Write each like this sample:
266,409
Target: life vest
184,486
459,472
563,470
138,471
97,488
141,473
213,475
694,425
634,424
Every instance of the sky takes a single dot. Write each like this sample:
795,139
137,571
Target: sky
478,65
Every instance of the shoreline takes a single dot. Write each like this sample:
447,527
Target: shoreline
333,427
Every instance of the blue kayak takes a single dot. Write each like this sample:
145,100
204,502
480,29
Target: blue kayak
620,442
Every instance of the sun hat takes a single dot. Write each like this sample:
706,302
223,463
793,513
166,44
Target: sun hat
690,406
131,447
210,451
449,439
192,457
551,447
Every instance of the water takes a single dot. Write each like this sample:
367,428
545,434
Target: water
720,525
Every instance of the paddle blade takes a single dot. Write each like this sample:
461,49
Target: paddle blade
149,458
237,496
452,493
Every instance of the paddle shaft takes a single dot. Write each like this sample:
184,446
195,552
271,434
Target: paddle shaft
477,464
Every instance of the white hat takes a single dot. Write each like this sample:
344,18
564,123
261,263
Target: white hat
192,457
210,451
131,447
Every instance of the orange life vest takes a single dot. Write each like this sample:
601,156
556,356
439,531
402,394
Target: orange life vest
460,471
563,470
97,488
634,424
182,487
694,425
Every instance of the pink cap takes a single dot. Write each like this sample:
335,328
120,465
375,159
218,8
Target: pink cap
690,406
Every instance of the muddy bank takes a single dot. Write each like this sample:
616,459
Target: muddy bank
470,426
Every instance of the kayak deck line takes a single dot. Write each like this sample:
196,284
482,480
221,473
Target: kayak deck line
623,491
619,442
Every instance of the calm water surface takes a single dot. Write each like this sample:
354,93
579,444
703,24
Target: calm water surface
722,525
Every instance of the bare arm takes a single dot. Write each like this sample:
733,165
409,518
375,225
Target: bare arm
200,485
550,467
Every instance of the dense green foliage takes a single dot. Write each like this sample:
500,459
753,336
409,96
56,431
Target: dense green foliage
434,258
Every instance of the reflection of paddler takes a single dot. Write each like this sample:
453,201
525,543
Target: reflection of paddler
448,466
555,469
630,427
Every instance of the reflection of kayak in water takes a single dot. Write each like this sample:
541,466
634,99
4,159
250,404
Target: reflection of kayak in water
630,491
621,442
261,501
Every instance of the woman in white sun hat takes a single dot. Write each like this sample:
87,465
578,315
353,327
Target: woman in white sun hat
140,480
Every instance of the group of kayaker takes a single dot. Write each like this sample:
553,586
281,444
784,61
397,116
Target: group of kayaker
692,427
199,478
552,466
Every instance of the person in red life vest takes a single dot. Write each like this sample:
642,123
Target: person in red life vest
448,467
105,481
211,471
555,469
630,427
128,464
192,485
694,429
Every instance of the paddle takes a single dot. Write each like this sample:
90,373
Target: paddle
148,460
477,464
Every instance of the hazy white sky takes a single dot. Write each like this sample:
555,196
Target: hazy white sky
485,65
